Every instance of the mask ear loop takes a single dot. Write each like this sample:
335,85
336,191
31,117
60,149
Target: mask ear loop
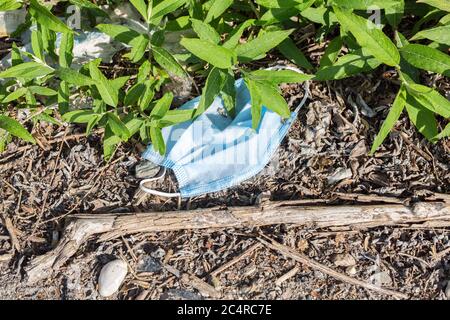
156,192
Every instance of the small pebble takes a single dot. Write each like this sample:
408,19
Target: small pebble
339,175
344,260
351,270
381,279
111,277
146,169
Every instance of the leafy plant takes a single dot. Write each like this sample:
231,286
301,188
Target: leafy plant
221,40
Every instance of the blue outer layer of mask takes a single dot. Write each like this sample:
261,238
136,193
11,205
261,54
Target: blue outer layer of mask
214,152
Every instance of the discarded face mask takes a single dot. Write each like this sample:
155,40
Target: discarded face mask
214,152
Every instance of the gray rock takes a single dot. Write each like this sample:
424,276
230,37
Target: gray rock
344,260
149,264
381,279
146,169
111,277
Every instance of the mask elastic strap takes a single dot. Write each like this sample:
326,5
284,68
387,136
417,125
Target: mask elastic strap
156,192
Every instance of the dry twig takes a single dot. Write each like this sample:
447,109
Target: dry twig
290,253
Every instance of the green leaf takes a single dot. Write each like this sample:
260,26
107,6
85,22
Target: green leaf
284,11
158,38
43,91
438,34
213,85
110,143
117,126
395,12
364,4
255,98
235,35
45,117
133,124
162,106
445,20
273,16
144,71
65,50
261,44
216,55
228,93
157,140
138,48
48,41
394,114
205,31
141,6
93,121
109,94
408,73
78,116
331,52
15,128
147,97
175,116
424,57
440,4
133,94
74,77
119,82
8,5
272,99
30,99
422,118
85,4
369,37
63,97
346,66
290,51
16,57
28,70
400,40
167,61
119,32
444,133
44,17
217,9
279,3
277,77
430,99
178,24
15,95
36,44
320,15
165,7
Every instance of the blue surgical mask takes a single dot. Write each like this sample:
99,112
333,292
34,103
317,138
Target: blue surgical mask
214,151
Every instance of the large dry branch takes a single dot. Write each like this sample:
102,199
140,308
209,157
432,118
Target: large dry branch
79,228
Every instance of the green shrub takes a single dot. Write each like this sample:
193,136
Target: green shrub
134,104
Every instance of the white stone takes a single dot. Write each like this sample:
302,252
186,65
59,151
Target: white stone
111,277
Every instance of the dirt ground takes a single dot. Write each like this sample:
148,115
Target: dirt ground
323,157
